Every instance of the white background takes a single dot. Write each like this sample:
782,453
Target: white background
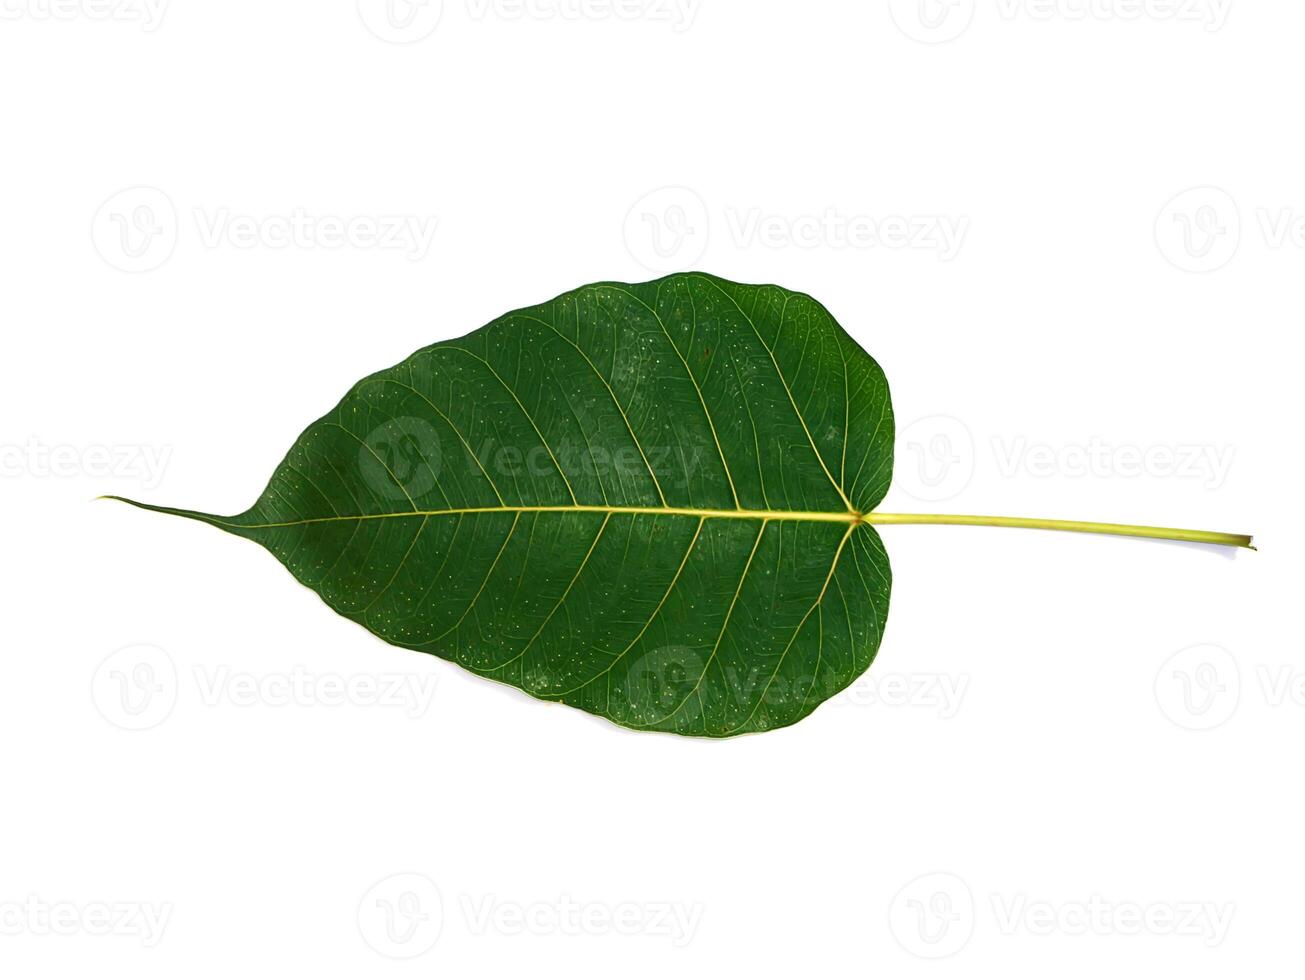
1073,754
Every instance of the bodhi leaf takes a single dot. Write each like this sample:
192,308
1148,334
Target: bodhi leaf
642,500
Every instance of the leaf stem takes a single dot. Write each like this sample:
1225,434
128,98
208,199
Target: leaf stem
1086,527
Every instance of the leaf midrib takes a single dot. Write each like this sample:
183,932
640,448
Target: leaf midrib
828,517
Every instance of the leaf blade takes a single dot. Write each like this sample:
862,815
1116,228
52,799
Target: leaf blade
633,499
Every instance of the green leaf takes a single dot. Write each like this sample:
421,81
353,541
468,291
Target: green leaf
644,501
